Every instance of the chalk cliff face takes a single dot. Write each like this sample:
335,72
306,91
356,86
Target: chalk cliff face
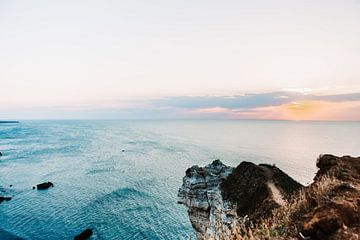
217,196
200,193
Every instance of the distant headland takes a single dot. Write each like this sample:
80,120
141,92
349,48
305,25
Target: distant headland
9,121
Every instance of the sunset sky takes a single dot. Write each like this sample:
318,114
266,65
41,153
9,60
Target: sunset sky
278,59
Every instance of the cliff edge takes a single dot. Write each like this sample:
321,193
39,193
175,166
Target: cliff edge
262,202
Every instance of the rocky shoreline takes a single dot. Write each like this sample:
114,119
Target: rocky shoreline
262,202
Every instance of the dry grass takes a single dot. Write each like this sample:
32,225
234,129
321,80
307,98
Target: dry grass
283,222
329,207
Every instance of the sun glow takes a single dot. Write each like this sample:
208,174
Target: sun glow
320,110
302,110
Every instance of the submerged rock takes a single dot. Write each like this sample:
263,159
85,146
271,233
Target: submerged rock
4,199
44,185
5,235
84,235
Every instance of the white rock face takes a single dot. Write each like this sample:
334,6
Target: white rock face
210,216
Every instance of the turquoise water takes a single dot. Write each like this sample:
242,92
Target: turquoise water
132,194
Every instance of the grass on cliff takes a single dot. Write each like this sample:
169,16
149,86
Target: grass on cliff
284,223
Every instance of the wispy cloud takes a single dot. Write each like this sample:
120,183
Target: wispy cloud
291,105
282,105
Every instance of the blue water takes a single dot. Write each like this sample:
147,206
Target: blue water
132,194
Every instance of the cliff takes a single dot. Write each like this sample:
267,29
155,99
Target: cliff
330,207
201,194
262,202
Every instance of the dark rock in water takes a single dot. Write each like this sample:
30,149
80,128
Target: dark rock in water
4,199
0,154
11,185
84,235
123,150
44,185
33,187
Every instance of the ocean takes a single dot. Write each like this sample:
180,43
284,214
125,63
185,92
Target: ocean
120,178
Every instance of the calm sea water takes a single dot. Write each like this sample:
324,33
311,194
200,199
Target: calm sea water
132,194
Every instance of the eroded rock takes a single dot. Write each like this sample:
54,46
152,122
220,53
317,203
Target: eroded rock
200,193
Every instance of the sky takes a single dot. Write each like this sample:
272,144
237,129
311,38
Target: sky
258,59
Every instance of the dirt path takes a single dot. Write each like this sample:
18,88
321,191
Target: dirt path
278,197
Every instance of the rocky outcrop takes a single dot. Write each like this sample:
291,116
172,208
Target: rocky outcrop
331,208
200,193
258,189
4,199
45,185
344,168
218,195
278,207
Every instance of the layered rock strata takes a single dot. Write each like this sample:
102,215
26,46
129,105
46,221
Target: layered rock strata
201,194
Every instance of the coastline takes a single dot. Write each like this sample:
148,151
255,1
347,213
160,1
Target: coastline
239,203
92,174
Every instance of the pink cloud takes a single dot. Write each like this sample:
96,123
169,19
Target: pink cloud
302,110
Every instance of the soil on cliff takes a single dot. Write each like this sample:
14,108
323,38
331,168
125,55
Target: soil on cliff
257,190
329,208
271,205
